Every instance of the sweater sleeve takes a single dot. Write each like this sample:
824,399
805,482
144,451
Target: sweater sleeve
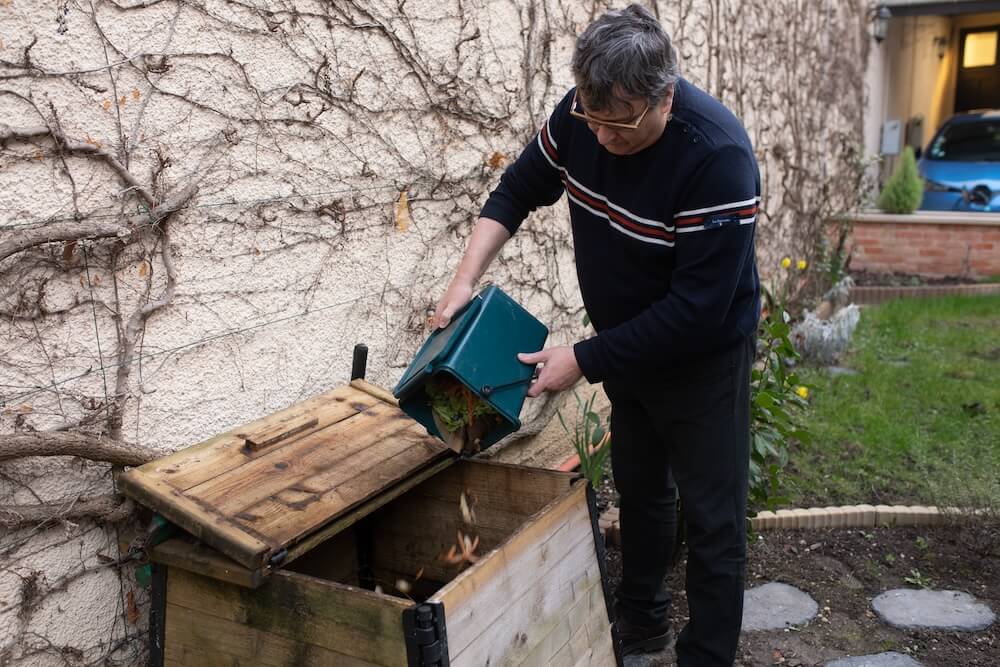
535,179
714,251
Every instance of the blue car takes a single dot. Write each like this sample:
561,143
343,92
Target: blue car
961,167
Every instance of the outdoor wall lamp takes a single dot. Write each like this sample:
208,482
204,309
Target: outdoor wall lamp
880,23
942,46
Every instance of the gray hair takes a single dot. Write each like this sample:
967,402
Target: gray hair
627,52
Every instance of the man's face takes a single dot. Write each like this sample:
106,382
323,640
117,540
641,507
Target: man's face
650,122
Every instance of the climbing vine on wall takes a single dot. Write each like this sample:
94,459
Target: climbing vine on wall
199,216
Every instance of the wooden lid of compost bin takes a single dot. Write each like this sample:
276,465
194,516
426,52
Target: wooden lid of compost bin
268,491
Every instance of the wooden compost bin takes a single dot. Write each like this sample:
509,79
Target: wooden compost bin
300,528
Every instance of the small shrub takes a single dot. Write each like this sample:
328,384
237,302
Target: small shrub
591,440
905,189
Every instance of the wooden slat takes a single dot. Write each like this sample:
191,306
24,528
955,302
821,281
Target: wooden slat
244,484
198,463
308,610
348,519
477,599
376,391
378,467
413,534
336,559
203,522
275,433
588,611
197,639
508,488
525,621
201,559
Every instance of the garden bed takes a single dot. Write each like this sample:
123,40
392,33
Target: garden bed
843,569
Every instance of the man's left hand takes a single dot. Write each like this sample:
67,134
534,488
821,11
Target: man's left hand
559,369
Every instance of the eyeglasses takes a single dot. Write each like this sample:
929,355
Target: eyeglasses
577,112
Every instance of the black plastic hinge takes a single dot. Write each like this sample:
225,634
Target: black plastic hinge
425,635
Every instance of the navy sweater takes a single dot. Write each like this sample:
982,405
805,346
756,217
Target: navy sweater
664,238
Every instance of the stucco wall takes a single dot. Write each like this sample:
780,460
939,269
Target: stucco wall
301,123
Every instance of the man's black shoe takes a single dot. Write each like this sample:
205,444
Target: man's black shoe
641,639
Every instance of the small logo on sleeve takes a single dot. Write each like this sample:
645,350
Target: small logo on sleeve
713,221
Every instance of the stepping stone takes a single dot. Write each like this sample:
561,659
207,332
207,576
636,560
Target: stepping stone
932,610
649,659
890,659
835,371
775,606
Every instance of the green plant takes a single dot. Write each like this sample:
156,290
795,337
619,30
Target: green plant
591,441
905,188
918,579
777,401
454,404
833,256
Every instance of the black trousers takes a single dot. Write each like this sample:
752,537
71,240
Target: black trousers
696,424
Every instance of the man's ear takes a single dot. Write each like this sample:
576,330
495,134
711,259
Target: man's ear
667,103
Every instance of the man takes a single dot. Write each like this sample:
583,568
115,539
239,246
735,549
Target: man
663,191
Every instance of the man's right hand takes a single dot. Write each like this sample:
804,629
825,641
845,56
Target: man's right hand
488,236
458,294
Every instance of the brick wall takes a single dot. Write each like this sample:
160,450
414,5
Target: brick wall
926,243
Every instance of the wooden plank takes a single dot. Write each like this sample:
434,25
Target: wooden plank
372,471
305,609
348,519
198,463
198,558
194,636
275,433
336,559
413,534
202,521
525,621
509,488
478,597
546,650
375,391
248,482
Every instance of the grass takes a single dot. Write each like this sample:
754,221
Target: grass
920,422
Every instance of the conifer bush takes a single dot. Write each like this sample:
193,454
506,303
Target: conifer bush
905,189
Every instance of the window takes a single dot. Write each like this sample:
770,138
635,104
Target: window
970,141
980,49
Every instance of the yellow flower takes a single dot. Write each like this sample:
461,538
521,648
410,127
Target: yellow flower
802,391
802,265
786,262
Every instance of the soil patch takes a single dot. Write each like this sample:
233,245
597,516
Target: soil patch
843,569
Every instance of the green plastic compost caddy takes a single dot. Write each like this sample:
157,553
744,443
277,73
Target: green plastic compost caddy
479,349
331,532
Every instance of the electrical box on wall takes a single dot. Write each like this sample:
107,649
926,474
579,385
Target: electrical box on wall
891,137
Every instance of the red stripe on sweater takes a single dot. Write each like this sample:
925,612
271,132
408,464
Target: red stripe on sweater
617,217
698,219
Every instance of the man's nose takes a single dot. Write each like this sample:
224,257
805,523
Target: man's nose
604,134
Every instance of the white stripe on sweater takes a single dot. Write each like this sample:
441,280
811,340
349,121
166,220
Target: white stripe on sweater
720,207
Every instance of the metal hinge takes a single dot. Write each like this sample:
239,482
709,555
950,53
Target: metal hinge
425,635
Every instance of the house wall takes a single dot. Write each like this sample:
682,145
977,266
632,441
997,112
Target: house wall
301,123
909,75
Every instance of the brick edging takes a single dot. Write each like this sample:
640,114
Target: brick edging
847,516
871,295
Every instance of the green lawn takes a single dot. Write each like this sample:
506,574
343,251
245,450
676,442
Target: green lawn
920,423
